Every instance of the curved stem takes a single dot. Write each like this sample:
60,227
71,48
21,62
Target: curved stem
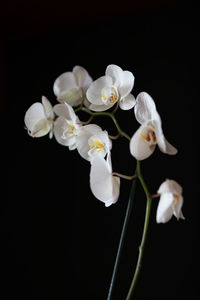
122,239
127,177
114,137
103,113
88,121
118,128
144,235
116,108
155,196
78,109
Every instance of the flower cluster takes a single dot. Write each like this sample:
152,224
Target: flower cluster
77,91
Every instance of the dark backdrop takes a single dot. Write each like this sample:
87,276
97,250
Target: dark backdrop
61,240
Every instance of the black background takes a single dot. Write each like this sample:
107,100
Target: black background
61,240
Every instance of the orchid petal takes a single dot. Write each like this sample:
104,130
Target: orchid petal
100,179
99,144
48,109
65,110
163,144
94,91
126,86
104,186
171,192
67,90
59,126
64,82
145,108
139,147
102,107
51,133
170,186
72,146
116,182
41,128
169,148
116,73
73,96
58,131
127,103
83,79
116,190
34,114
165,210
177,208
82,139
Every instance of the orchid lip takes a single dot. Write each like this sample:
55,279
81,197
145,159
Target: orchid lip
109,95
149,137
176,197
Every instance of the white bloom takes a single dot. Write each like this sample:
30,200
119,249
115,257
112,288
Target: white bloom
66,126
39,118
71,87
150,133
115,86
103,184
93,141
171,201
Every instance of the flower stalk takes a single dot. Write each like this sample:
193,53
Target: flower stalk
122,133
138,175
122,239
124,176
144,235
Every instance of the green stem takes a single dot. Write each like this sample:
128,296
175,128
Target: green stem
144,235
102,113
128,211
118,128
122,239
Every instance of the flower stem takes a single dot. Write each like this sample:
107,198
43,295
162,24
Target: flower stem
138,175
119,129
114,137
88,121
102,113
155,196
144,235
124,176
122,239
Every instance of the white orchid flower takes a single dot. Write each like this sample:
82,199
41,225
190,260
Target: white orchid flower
66,126
71,87
150,133
171,201
39,118
93,141
103,184
115,86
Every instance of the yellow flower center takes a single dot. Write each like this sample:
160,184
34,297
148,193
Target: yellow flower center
149,136
110,95
97,145
114,97
73,129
